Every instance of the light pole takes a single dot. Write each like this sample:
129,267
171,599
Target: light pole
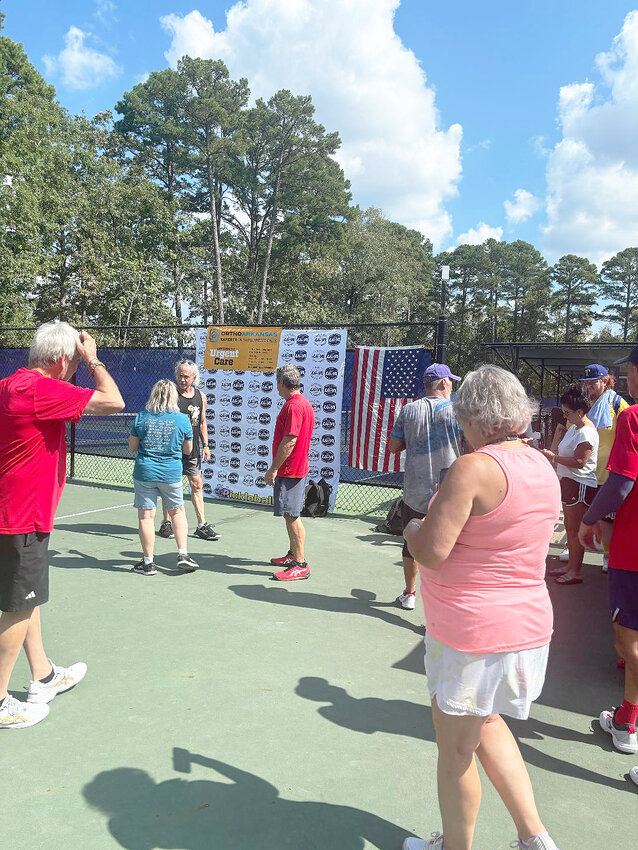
442,326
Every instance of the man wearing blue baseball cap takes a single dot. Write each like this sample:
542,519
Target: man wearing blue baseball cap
606,404
619,494
427,430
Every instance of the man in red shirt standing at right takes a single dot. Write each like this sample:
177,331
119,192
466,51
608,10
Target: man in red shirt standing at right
289,470
619,494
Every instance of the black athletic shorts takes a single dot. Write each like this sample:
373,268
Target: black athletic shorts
408,513
192,466
24,571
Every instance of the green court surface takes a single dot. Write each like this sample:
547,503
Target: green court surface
224,711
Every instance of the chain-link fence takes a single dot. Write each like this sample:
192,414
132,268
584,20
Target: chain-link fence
98,445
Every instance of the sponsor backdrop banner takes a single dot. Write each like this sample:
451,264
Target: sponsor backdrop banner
243,403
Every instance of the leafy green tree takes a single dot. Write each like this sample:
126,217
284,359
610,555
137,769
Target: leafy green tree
214,115
527,288
574,296
619,287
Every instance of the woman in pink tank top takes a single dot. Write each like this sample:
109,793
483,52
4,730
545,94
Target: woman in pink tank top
481,551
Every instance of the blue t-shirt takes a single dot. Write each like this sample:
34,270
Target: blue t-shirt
161,436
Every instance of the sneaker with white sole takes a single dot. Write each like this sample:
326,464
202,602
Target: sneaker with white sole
144,569
434,843
186,563
564,556
18,715
407,600
64,678
166,530
633,774
624,737
206,532
542,841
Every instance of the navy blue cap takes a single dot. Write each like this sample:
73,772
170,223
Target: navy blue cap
594,372
632,357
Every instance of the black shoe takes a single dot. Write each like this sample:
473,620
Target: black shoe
186,563
206,532
166,530
145,569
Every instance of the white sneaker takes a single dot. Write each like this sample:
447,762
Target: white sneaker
18,715
64,678
407,601
542,841
434,843
633,774
564,556
625,740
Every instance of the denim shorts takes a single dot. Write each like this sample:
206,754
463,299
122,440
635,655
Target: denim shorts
147,493
289,495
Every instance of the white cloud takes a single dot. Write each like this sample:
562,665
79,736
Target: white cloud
479,234
80,66
105,12
592,173
522,207
364,83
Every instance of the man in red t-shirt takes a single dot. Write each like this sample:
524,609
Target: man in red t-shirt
289,470
620,494
35,405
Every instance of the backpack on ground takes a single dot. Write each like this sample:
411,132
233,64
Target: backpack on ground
316,498
393,523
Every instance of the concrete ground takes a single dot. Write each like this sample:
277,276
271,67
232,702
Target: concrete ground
224,711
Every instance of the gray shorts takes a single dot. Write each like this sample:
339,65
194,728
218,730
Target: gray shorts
147,493
192,466
24,571
289,495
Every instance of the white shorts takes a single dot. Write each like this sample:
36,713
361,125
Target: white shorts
483,684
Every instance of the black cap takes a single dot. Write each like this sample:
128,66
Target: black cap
632,357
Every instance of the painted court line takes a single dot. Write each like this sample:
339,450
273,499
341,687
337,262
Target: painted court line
96,511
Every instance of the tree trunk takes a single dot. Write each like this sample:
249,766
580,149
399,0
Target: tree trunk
213,221
271,233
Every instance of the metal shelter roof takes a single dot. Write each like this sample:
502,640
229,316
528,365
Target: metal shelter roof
559,357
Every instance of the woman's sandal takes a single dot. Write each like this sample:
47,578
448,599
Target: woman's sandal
565,579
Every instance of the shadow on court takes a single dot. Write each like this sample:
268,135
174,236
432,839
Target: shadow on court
362,602
245,813
370,714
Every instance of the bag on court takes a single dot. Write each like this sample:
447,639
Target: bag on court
316,498
393,523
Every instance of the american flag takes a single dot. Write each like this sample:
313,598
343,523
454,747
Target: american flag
384,380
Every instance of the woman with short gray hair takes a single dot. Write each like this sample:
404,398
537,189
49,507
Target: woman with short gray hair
160,435
481,552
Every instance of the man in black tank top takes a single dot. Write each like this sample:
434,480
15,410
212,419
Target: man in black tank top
193,404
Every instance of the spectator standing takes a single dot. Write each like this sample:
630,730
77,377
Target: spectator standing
427,430
575,461
606,404
481,550
161,435
35,405
288,471
619,494
192,403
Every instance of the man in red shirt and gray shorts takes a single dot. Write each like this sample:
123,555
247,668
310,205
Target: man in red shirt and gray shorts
620,494
35,405
289,470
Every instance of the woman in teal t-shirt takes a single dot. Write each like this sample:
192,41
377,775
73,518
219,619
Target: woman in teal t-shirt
160,435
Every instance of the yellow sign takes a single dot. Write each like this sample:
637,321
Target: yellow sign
233,348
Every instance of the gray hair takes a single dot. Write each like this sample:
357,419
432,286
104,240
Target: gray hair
163,397
191,365
494,401
52,341
289,376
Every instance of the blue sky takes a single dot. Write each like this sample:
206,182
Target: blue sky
509,119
